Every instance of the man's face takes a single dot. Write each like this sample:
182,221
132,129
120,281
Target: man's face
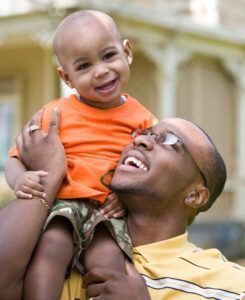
161,171
97,63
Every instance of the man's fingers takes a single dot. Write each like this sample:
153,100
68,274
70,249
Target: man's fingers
24,138
95,275
36,119
93,291
55,121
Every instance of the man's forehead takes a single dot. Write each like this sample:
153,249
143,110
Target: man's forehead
181,127
191,135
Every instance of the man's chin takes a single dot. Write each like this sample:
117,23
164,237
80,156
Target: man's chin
121,187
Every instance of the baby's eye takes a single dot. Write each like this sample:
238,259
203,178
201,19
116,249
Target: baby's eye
83,66
109,55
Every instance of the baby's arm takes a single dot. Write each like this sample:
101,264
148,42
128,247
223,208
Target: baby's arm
26,184
113,207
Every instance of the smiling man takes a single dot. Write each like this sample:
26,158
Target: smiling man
169,174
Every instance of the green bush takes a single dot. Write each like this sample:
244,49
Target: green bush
6,195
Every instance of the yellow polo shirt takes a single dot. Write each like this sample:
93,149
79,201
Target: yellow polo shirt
178,270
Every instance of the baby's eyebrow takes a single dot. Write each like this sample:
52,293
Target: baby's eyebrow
79,59
108,50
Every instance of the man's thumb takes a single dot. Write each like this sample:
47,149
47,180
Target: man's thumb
130,269
55,121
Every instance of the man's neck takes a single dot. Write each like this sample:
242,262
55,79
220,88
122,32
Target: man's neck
146,229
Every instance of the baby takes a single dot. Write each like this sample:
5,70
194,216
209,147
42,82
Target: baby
96,124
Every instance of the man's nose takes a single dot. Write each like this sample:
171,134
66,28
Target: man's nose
101,70
144,141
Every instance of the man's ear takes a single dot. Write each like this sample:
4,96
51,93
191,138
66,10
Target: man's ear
65,77
128,51
197,198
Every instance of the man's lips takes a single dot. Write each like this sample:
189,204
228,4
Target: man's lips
134,159
134,162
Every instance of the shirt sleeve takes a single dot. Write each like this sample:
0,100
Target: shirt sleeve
13,152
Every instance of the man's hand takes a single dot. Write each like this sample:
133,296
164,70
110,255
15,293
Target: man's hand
42,151
104,284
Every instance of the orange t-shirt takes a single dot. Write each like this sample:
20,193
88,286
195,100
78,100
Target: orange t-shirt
93,139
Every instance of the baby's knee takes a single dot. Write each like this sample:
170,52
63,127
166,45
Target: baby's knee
55,243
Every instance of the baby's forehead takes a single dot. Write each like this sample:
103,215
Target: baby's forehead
88,20
88,24
83,25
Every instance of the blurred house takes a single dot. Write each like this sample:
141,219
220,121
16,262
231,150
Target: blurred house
189,61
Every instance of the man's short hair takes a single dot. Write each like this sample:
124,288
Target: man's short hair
215,171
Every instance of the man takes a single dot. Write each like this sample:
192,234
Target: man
165,178
181,175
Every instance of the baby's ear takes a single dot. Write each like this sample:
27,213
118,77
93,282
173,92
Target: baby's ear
128,51
65,77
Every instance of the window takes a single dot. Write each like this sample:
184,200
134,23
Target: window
10,112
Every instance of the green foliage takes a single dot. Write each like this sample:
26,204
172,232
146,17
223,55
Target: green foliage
6,195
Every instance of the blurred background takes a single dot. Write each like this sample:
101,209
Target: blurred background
189,61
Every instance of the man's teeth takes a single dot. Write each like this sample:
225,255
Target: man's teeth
132,161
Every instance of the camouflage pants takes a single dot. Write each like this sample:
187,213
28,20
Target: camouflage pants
84,216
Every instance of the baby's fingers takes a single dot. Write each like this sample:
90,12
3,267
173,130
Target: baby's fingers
120,213
22,195
37,175
34,188
41,173
107,208
113,210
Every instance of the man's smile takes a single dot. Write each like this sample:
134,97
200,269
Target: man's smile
133,160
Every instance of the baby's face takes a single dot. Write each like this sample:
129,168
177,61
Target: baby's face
97,63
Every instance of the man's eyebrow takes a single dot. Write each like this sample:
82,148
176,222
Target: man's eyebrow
174,133
166,130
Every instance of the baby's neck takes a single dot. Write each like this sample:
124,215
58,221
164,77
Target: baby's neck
106,105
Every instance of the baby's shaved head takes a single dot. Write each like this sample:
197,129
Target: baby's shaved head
84,19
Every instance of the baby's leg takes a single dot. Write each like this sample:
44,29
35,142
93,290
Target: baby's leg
104,252
46,272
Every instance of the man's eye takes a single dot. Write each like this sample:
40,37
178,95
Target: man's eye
83,66
109,55
175,146
161,139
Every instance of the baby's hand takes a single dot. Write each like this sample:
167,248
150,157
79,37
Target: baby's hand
113,207
28,185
